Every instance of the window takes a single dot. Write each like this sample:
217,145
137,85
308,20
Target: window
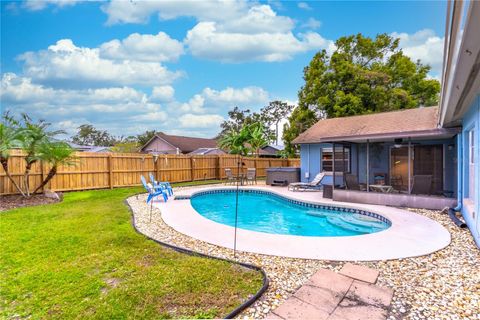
342,159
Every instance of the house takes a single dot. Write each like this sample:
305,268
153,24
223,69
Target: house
162,143
425,157
207,151
271,150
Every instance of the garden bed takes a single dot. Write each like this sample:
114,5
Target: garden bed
17,201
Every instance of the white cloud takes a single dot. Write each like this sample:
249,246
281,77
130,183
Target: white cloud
206,41
423,45
143,47
65,64
162,93
120,11
312,23
223,100
304,6
200,121
36,5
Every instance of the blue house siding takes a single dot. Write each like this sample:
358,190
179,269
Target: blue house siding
471,120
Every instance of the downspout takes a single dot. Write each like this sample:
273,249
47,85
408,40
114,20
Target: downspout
451,211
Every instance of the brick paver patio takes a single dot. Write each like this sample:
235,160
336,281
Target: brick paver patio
350,294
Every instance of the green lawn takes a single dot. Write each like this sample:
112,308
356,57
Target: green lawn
82,258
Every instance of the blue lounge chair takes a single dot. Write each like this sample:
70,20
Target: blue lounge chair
164,185
152,191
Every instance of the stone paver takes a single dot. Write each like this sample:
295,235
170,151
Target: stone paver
333,296
295,308
370,294
360,272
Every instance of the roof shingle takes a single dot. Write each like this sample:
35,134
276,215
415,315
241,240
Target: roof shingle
395,123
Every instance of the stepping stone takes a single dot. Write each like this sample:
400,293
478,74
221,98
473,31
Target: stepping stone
323,299
358,312
360,272
330,280
295,308
370,294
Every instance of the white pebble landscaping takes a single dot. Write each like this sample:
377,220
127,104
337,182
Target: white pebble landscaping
442,285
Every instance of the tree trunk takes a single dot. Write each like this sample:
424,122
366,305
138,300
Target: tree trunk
28,167
49,177
4,162
276,133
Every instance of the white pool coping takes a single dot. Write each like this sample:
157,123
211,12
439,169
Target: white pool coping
410,234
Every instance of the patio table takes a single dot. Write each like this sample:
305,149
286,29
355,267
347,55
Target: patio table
381,188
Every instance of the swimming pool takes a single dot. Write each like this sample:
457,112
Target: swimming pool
267,212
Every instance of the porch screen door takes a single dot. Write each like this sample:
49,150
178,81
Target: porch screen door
429,161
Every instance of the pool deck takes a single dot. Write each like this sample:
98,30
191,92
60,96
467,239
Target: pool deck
410,235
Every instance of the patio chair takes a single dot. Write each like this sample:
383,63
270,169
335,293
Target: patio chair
230,177
152,193
422,184
351,182
315,184
251,175
161,185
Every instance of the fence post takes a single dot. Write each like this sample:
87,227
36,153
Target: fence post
110,171
42,174
192,170
219,168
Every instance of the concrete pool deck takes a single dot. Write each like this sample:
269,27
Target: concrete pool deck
410,235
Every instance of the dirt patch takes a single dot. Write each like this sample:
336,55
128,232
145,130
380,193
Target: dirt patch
17,201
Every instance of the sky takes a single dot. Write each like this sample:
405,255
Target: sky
180,66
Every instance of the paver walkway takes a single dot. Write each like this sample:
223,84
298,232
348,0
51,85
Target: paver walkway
348,295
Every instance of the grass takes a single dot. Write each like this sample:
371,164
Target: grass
82,258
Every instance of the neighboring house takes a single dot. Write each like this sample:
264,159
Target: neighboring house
162,143
271,150
207,151
401,148
82,148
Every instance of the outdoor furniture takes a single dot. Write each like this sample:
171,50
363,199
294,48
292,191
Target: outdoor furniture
230,177
161,185
422,184
397,182
152,192
315,184
251,176
351,182
381,188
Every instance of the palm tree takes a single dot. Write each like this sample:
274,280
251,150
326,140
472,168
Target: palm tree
9,139
32,136
55,154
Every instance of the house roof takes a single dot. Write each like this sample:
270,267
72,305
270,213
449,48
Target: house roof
418,122
185,144
203,151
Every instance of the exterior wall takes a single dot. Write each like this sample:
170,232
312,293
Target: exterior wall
311,155
158,145
471,210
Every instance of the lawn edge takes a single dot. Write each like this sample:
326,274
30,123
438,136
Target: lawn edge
238,309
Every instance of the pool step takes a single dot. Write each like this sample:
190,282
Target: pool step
338,222
362,222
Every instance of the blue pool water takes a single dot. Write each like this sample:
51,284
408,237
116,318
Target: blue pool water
264,212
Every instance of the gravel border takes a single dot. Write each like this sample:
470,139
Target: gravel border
442,285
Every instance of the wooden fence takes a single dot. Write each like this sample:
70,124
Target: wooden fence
112,170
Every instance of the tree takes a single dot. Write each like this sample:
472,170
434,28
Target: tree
125,146
275,112
143,138
237,119
9,139
248,140
363,75
88,135
37,142
55,154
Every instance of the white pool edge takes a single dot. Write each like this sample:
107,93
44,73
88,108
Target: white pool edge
410,234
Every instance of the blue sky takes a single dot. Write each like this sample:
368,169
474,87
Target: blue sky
179,66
